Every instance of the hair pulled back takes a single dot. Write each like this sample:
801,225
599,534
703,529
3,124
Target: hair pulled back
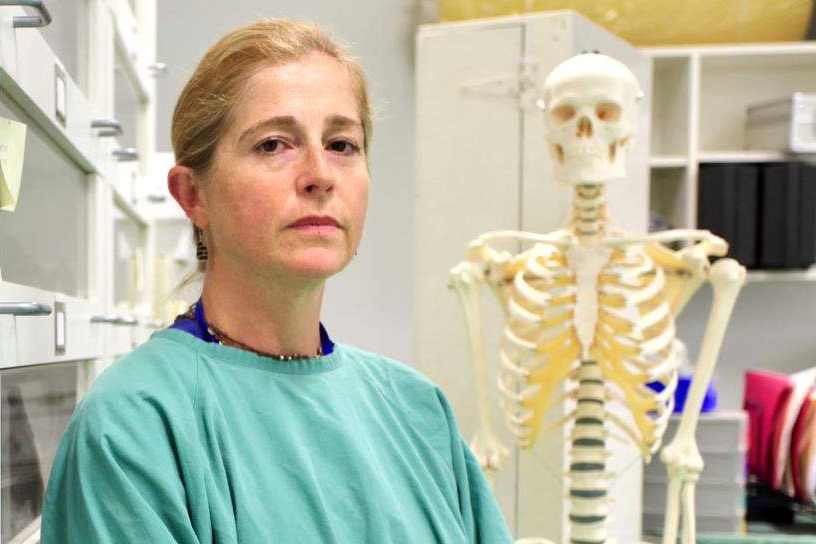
204,108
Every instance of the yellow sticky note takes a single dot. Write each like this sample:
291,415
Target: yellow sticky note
12,151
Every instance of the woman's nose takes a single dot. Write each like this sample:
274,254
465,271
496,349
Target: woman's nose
317,175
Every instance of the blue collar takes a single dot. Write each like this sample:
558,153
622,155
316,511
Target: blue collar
197,326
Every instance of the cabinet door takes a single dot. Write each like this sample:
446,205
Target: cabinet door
35,76
129,260
45,249
66,37
130,301
43,242
35,406
468,171
129,105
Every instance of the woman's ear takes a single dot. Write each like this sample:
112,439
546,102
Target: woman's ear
181,181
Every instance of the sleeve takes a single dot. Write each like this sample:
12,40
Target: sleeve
117,479
483,520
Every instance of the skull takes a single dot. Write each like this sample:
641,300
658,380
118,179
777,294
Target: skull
591,113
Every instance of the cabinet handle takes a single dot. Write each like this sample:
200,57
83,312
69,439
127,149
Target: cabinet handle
158,69
112,127
115,319
24,308
126,154
29,21
127,321
104,318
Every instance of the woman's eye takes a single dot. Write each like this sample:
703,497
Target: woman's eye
343,146
270,146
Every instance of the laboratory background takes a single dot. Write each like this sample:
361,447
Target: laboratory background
93,248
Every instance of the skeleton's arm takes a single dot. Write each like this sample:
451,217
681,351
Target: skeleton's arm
485,265
466,278
682,457
688,268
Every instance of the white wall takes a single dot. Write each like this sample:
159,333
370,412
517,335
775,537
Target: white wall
370,304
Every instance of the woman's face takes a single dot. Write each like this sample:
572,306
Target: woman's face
288,190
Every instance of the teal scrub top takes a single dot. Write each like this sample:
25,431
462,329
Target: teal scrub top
189,442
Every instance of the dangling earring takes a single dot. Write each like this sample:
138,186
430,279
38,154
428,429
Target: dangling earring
202,253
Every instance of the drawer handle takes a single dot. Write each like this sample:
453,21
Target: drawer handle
126,154
29,21
115,319
112,127
158,69
104,318
24,308
127,321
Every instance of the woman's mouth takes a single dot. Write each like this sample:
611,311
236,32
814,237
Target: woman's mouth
316,224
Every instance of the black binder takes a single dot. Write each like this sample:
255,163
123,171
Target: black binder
744,242
807,215
780,216
727,205
716,194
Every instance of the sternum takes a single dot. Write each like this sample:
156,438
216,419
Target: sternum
588,258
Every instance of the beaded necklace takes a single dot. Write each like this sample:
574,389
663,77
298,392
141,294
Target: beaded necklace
213,334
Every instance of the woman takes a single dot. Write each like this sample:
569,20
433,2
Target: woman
244,422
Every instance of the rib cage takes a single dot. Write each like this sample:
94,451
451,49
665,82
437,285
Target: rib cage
632,344
540,346
635,341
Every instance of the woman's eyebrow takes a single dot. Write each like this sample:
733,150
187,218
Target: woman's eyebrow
333,123
277,122
339,122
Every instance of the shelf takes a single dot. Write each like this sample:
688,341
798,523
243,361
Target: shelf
742,156
768,276
730,51
668,161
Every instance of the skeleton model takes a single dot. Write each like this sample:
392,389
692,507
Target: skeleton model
590,309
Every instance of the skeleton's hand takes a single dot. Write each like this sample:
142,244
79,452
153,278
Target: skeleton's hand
489,452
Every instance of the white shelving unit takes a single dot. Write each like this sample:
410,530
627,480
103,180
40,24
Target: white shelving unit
698,113
76,253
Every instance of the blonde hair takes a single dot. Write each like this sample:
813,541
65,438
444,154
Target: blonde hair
203,111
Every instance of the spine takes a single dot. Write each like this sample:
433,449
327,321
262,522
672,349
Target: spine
588,476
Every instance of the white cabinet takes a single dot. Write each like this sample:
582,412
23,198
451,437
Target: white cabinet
699,106
482,164
60,284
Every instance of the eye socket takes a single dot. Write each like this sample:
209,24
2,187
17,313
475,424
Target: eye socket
563,113
344,147
270,145
608,112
